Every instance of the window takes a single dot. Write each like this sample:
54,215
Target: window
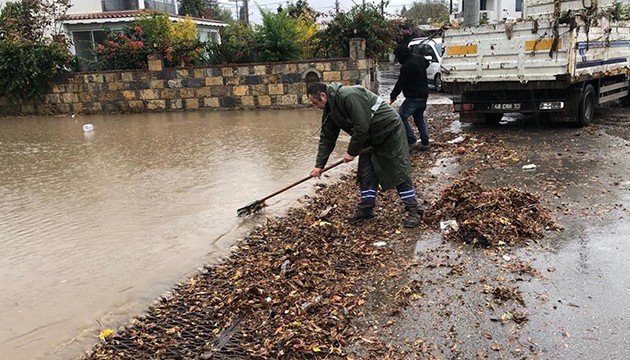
164,5
519,5
84,42
119,5
483,5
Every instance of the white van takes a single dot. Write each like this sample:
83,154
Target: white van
432,50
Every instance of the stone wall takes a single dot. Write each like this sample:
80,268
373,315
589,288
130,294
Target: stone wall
242,86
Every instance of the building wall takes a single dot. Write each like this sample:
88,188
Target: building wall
85,6
243,86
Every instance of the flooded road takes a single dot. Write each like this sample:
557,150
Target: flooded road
95,226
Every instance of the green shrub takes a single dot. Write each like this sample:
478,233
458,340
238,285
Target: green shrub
27,67
278,36
151,32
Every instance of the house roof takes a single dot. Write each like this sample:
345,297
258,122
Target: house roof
126,16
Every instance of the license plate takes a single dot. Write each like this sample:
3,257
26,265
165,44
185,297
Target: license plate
509,106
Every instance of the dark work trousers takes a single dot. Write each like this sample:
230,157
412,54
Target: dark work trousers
368,183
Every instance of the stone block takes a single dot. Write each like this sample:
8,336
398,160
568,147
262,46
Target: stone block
338,65
321,67
136,105
191,104
58,88
243,71
270,79
174,83
104,96
115,86
169,74
169,93
203,92
211,102
220,91
264,100
228,102
362,64
331,76
192,83
215,80
69,98
260,69
214,72
63,108
138,85
50,99
155,65
284,100
126,76
241,90
156,84
148,94
251,80
174,104
128,95
350,75
232,80
228,71
186,93
248,101
290,68
277,69
182,73
258,90
199,73
111,77
297,88
291,78
276,89
156,105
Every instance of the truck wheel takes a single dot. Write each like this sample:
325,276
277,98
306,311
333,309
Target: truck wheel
438,82
586,111
492,118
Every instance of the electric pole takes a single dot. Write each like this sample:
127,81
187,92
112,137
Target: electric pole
246,10
471,13
336,6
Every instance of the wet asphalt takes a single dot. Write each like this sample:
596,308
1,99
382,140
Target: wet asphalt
578,304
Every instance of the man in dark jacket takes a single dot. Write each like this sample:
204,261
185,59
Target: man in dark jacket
372,123
412,81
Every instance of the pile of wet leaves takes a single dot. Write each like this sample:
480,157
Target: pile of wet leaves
470,213
291,290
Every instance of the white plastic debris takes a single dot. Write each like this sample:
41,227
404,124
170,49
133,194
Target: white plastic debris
88,127
507,258
457,140
448,225
529,167
379,243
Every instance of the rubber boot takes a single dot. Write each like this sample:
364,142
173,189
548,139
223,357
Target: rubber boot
360,215
413,218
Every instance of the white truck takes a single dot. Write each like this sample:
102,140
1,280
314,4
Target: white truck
562,58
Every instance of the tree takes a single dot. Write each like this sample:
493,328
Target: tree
32,19
204,9
306,26
194,8
29,60
431,12
362,21
278,36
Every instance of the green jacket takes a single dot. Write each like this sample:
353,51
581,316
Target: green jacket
356,110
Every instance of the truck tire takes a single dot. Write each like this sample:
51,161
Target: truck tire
437,82
492,118
586,110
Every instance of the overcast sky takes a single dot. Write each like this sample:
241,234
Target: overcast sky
319,5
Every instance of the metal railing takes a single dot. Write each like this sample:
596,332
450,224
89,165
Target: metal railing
166,6
119,5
